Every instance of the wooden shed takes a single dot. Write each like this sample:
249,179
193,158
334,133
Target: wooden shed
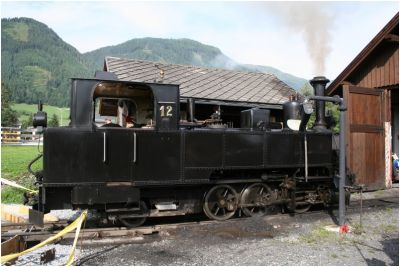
370,87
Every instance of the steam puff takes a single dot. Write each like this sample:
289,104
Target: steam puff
313,21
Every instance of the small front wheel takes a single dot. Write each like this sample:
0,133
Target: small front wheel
131,222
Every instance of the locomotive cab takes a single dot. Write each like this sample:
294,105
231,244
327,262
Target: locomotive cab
151,105
101,148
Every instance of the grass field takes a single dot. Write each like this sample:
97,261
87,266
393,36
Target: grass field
26,110
14,163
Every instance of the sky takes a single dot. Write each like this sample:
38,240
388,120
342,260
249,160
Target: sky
305,39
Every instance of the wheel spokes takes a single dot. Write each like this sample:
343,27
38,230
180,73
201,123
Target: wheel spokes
261,190
226,192
216,211
299,207
220,202
255,199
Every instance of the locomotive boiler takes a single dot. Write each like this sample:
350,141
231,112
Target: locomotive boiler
127,154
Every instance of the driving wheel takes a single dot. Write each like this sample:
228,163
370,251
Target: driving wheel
300,206
220,202
256,199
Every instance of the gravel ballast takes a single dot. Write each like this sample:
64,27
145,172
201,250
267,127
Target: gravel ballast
264,240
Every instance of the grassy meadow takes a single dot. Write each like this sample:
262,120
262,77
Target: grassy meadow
26,110
15,159
14,163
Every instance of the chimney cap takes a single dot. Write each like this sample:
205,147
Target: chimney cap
319,79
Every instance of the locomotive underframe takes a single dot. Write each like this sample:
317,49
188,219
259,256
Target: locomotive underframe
188,199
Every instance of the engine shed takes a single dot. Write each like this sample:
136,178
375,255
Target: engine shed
214,90
370,86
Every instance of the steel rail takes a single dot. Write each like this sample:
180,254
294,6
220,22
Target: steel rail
114,232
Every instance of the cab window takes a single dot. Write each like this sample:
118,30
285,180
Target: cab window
123,105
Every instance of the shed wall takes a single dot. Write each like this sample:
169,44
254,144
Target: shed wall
380,69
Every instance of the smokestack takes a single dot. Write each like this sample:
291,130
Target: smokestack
319,84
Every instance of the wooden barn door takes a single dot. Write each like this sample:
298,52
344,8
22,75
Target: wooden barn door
366,135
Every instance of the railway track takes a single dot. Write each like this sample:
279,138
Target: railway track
30,233
6,227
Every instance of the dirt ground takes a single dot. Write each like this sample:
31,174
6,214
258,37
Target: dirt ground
271,240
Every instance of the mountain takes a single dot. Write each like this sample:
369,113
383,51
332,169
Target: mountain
291,80
175,51
185,52
37,64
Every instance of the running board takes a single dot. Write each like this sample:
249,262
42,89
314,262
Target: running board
153,213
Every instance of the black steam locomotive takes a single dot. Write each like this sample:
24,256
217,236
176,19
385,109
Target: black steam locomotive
143,161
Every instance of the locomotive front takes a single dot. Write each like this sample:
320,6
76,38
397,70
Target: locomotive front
128,155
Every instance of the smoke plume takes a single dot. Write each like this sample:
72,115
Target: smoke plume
313,22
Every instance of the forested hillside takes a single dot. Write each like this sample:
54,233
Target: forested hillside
37,64
175,51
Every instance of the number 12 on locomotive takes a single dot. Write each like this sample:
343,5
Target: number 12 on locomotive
166,111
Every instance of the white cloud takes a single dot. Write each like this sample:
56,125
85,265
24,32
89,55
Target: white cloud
353,33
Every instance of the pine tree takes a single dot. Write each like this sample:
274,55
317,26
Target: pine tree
53,121
9,117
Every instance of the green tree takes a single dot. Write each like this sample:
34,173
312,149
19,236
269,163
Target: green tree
306,89
28,122
54,121
335,113
8,115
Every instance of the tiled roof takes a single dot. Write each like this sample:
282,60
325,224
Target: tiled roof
205,83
